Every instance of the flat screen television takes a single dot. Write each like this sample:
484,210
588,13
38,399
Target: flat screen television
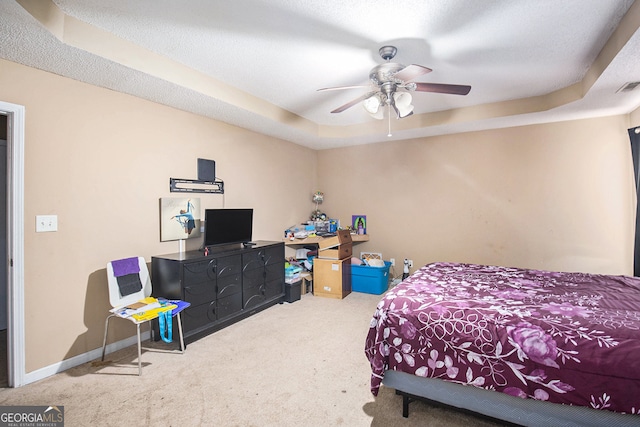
226,226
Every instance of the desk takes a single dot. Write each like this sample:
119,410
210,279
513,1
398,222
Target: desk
355,238
308,277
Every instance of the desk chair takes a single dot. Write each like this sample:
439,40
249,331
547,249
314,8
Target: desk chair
130,276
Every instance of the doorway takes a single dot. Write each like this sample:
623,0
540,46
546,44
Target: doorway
12,280
3,252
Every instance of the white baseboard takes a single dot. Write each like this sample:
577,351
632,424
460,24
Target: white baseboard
78,360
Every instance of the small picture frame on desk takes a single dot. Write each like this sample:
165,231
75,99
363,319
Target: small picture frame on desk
359,224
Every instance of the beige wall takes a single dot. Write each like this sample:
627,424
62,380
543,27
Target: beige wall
634,118
101,160
556,196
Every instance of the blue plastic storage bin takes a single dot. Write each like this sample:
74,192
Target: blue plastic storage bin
370,280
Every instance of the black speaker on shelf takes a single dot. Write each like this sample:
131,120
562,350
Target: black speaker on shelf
206,170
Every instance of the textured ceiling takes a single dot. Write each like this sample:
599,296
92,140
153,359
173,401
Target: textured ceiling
258,63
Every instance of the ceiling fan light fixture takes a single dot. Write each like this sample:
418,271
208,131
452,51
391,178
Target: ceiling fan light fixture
402,101
372,106
405,112
379,115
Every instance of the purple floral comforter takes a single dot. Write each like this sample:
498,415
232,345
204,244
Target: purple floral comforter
569,338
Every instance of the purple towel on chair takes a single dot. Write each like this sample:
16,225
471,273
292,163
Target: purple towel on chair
122,267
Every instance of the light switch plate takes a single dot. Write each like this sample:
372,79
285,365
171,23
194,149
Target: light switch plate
46,223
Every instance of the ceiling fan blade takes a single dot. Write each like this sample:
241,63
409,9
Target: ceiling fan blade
342,87
352,103
443,88
411,72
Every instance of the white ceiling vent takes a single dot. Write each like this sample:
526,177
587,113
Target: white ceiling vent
628,87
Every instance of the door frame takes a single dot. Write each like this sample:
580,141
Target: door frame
16,367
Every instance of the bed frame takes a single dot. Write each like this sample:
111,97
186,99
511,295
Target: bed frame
501,406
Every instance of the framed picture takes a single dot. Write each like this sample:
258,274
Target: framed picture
359,224
179,218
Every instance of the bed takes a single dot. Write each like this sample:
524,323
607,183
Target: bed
530,347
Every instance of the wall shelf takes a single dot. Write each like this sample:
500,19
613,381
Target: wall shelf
195,186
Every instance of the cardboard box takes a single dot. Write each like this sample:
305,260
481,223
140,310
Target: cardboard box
307,281
341,237
332,278
370,280
341,251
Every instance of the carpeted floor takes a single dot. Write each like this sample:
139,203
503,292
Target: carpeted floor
299,364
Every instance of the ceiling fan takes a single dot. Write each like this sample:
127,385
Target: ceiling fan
392,83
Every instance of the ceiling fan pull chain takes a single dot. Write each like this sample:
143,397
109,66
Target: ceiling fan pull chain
389,118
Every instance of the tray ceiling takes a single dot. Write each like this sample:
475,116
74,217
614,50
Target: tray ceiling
258,64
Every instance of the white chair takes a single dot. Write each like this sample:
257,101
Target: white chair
119,302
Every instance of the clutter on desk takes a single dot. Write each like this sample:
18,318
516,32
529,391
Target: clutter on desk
312,228
320,224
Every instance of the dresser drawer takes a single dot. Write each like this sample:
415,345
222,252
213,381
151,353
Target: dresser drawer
262,257
199,316
274,255
229,285
198,272
200,293
228,266
229,305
